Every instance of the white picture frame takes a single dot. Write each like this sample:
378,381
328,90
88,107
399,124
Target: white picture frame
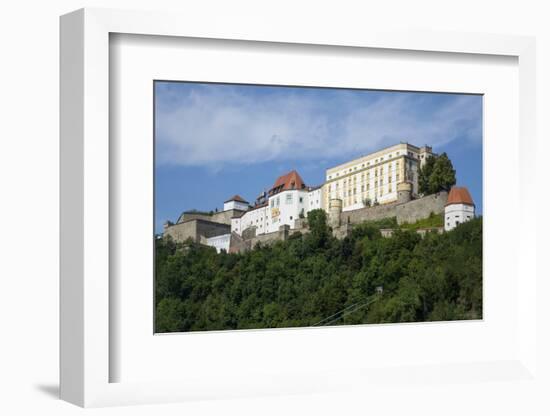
86,356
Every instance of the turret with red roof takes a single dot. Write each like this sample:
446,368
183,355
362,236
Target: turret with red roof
459,208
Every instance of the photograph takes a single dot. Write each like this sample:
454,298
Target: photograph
298,206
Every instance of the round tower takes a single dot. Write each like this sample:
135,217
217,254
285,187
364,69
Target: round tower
459,207
404,192
334,212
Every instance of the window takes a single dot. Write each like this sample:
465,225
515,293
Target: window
272,203
301,200
354,191
288,199
291,217
278,201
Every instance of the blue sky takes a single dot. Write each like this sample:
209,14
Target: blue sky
216,140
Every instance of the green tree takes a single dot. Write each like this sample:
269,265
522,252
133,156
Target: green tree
169,315
319,235
436,175
424,175
312,276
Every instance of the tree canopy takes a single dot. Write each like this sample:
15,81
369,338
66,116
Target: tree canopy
436,175
310,277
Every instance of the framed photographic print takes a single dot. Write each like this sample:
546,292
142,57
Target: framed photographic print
274,212
379,236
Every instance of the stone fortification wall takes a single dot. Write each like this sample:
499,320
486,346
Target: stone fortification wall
418,209
407,212
195,229
269,238
388,232
247,241
222,217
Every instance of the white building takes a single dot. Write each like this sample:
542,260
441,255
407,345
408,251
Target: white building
374,177
236,202
288,200
219,242
459,208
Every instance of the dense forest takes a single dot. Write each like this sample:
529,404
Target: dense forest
315,279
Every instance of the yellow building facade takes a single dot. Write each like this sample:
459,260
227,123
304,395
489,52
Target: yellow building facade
373,178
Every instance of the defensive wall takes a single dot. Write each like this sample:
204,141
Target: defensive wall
222,217
404,212
196,229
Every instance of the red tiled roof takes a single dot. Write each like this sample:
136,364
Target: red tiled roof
237,198
459,195
291,180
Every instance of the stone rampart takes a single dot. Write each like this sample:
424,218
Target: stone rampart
195,229
421,208
406,212
222,217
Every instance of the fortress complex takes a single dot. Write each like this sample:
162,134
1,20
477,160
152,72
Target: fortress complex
378,185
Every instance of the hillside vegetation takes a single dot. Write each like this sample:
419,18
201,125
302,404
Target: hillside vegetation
310,277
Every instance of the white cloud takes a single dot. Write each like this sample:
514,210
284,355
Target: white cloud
212,128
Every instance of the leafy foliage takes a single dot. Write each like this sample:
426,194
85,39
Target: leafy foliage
310,277
436,175
434,220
